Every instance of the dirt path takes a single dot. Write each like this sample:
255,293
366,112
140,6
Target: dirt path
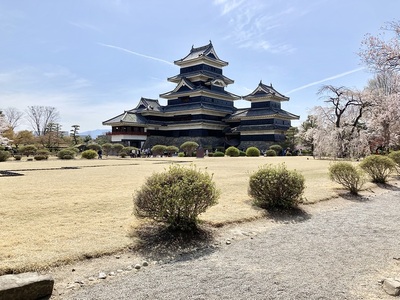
338,249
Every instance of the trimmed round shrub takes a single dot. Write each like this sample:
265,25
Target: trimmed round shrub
66,154
189,147
252,151
123,154
378,167
218,154
128,150
89,154
43,152
95,147
74,149
107,148
17,157
4,155
181,154
117,148
40,157
276,187
158,149
28,150
395,156
171,149
176,196
347,175
270,152
210,154
232,151
276,148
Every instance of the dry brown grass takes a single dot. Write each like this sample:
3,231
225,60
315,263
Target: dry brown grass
53,216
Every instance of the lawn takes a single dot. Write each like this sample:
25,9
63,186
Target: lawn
61,211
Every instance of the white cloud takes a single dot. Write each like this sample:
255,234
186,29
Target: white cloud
251,25
228,5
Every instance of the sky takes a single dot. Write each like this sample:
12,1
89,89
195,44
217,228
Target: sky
94,59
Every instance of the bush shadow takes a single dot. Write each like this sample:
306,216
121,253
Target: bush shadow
354,198
288,215
388,186
161,243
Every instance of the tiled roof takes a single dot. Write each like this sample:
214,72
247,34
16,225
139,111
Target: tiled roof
202,88
265,91
264,127
259,112
148,104
127,117
191,106
206,51
209,74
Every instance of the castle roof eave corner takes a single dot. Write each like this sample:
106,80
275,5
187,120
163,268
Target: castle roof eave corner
201,52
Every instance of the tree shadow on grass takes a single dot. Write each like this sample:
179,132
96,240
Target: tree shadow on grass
288,215
161,243
354,198
388,186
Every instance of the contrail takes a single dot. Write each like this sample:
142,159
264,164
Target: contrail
137,54
323,80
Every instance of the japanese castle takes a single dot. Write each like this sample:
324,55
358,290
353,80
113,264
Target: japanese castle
200,109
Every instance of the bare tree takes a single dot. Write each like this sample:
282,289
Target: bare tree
13,116
40,117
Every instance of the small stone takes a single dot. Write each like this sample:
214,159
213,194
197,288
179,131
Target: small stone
391,286
228,242
120,271
102,275
91,279
71,286
79,282
117,256
137,267
111,274
129,268
145,264
73,270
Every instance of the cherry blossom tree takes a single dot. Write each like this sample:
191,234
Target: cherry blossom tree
340,124
306,132
3,127
383,120
380,53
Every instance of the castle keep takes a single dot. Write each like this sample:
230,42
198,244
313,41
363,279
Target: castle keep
200,109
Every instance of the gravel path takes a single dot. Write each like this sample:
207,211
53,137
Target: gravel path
339,250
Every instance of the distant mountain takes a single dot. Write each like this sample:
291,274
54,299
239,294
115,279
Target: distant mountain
94,133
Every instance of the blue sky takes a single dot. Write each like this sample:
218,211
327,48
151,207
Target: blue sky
93,59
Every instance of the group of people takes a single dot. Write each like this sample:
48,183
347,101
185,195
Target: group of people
138,153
